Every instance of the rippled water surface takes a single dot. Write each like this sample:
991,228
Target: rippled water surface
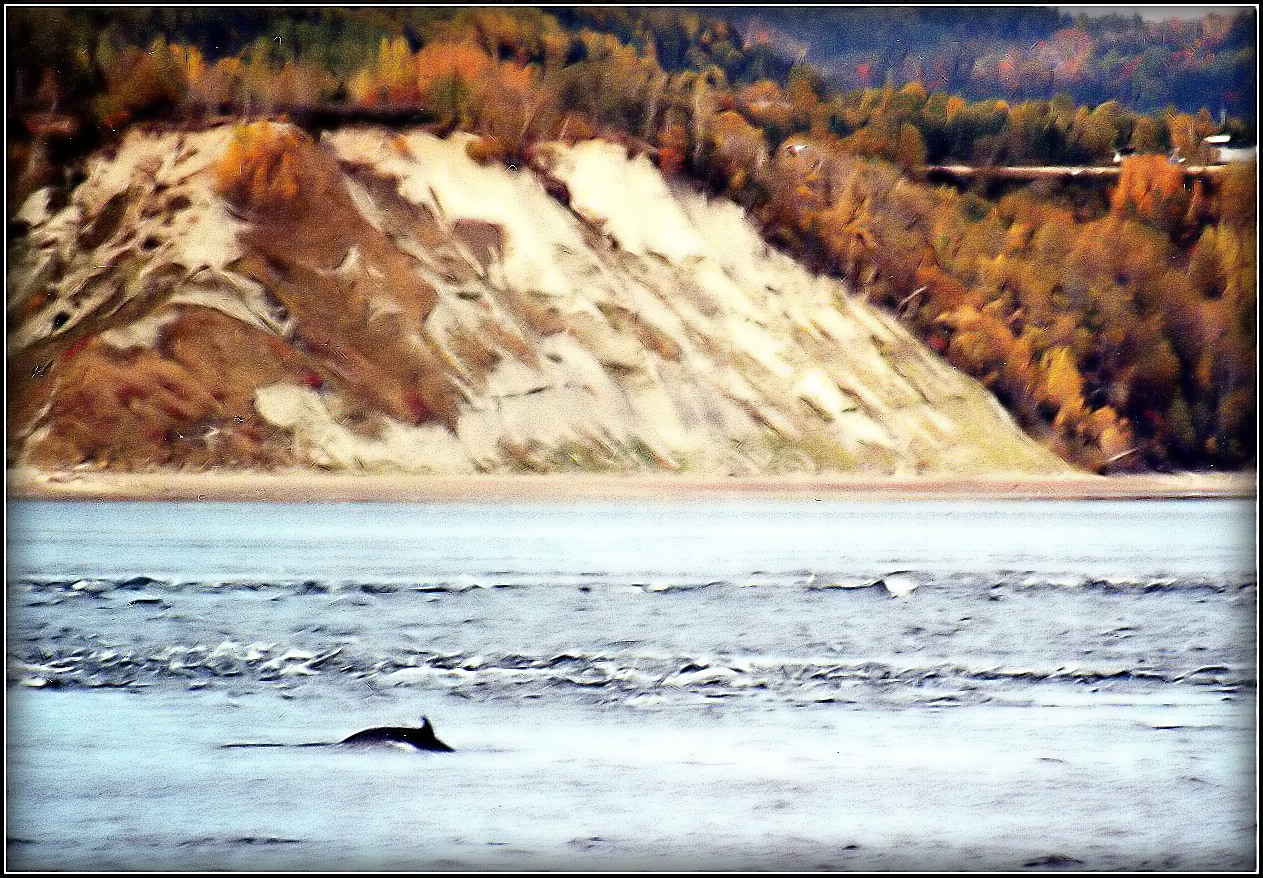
783,685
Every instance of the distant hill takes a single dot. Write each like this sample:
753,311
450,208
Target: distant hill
1021,53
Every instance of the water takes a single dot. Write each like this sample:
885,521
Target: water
634,686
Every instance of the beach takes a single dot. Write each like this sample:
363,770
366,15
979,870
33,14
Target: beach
320,486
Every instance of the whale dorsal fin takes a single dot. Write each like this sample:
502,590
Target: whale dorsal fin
431,740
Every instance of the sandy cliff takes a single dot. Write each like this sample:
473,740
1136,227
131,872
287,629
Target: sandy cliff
246,297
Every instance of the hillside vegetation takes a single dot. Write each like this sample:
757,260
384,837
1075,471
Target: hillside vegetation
1117,325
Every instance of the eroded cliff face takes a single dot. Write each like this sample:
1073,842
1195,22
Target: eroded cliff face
381,301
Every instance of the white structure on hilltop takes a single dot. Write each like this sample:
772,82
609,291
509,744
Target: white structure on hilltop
1225,154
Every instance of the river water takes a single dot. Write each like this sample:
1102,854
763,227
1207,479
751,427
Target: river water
785,685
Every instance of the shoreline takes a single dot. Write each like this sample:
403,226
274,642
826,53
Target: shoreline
315,486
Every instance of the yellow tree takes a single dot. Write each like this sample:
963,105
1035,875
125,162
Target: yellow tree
1151,189
446,77
739,151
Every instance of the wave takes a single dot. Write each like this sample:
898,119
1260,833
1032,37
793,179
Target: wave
904,636
612,674
898,583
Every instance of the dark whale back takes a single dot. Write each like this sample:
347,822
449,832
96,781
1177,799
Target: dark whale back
420,739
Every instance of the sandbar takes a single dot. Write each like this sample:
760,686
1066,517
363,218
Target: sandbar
320,486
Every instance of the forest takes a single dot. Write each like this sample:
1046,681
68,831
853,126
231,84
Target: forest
1021,53
1117,322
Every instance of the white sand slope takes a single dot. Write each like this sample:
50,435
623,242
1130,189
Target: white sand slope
675,338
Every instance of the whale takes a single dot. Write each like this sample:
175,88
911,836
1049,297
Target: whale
403,737
422,738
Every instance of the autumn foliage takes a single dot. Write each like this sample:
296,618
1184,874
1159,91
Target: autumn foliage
1150,188
1115,322
266,169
